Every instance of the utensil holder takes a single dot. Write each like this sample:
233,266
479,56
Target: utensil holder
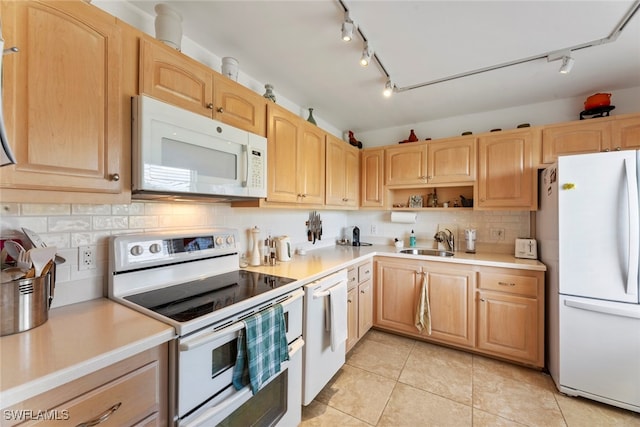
24,303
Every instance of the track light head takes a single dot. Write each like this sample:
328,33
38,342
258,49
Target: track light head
347,31
367,53
567,64
388,88
348,27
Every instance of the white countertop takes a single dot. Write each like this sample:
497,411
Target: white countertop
320,262
76,340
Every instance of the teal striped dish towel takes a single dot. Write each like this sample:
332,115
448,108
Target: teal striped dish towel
262,347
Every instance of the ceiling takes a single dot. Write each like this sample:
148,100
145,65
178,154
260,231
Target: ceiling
297,47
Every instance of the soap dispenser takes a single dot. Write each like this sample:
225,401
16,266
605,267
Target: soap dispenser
412,239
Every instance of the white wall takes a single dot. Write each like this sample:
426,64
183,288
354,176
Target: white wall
558,111
69,226
145,22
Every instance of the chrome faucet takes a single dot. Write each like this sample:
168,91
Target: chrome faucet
446,236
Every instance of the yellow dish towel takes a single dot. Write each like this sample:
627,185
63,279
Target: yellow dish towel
423,310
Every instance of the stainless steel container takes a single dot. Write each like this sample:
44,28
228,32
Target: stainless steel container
24,304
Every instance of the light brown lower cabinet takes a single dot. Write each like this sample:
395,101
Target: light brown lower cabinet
133,392
494,311
510,306
359,302
450,291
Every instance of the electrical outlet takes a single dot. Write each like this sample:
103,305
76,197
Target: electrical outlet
374,229
86,258
497,233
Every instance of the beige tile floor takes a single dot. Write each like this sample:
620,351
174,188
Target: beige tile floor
395,381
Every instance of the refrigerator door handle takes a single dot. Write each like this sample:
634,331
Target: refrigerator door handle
634,224
614,311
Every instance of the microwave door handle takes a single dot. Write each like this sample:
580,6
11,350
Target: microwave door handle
245,159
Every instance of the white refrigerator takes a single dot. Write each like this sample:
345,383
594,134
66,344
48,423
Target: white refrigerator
587,228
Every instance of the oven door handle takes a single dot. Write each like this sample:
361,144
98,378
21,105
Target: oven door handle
187,345
327,292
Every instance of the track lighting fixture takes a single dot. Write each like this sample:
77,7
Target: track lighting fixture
347,28
567,64
367,53
564,54
388,88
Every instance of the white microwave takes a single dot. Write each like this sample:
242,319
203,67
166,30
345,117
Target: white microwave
180,154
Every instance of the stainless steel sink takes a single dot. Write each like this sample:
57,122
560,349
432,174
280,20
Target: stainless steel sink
432,252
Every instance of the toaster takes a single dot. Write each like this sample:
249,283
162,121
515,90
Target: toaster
526,248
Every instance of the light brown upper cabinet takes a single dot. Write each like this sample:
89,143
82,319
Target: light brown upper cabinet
626,132
64,104
372,178
506,173
343,170
445,161
406,164
451,160
296,159
168,75
613,133
575,138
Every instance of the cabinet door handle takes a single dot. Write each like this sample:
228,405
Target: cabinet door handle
362,292
102,417
115,177
220,110
210,106
482,299
506,284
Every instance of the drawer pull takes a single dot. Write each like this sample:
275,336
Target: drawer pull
102,417
506,284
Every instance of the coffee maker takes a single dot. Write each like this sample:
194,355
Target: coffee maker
470,238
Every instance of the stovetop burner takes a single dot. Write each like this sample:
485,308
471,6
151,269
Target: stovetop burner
190,300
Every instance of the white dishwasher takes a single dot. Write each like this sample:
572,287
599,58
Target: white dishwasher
324,332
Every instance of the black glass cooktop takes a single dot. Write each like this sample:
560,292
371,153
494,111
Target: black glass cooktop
191,300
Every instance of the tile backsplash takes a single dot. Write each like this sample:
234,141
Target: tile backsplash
70,226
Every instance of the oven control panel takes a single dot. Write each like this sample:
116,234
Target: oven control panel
133,251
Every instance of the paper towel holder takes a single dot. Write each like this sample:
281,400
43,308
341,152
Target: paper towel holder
404,217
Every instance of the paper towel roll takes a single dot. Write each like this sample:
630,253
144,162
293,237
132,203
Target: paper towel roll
404,217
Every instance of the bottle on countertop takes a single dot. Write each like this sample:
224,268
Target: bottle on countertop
412,239
255,253
266,250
